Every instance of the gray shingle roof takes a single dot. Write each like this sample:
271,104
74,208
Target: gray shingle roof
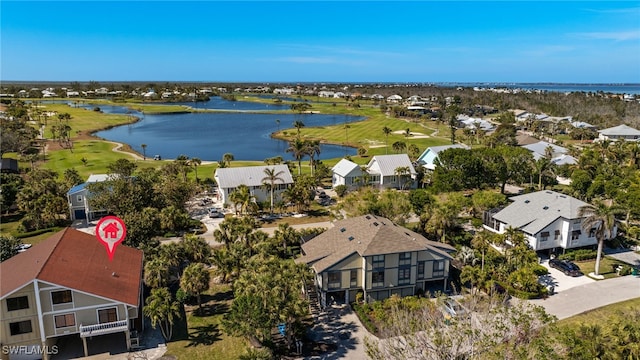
344,167
366,235
620,130
541,146
389,163
533,212
249,175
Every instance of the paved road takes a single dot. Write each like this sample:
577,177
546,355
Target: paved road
579,299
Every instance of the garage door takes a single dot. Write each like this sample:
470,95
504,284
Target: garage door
79,214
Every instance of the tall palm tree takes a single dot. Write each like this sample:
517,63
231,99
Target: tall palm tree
298,124
144,151
162,310
313,149
241,198
195,162
156,272
270,179
299,149
386,130
346,133
602,218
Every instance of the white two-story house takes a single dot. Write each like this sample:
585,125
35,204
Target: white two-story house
372,255
228,180
67,286
548,219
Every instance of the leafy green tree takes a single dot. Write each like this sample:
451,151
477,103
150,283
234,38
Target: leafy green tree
8,247
195,280
420,199
122,168
162,310
247,317
42,199
196,249
9,186
399,146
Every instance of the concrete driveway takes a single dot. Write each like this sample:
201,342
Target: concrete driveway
563,282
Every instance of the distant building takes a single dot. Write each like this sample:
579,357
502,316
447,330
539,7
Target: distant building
429,156
9,166
620,132
383,171
78,200
347,173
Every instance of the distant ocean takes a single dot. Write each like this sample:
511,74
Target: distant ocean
557,87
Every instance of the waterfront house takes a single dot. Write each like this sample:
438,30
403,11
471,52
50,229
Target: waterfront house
620,132
548,219
347,173
384,171
372,255
228,179
67,286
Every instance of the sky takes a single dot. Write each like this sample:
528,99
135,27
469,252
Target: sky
313,41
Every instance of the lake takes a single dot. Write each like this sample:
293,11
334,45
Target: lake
209,136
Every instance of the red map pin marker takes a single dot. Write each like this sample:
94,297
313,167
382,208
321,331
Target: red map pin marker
111,231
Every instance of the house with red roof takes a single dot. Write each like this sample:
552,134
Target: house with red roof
67,286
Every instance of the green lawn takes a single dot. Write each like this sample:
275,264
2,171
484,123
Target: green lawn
205,338
82,119
606,266
601,315
9,225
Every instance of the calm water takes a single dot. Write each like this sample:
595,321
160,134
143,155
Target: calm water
208,136
216,102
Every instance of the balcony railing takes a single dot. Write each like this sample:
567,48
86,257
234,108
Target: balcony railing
104,328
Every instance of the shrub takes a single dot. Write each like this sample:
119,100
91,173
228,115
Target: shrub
341,190
361,311
539,270
625,270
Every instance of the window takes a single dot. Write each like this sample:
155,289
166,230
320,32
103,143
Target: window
20,327
592,232
438,268
107,315
556,235
61,297
354,278
65,320
79,198
405,258
421,270
17,303
575,234
334,280
378,261
377,278
404,275
544,236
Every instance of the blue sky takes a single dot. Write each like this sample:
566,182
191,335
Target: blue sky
312,41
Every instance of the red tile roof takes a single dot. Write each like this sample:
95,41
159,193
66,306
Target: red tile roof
77,260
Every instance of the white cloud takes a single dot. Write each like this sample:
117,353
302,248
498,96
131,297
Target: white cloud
610,35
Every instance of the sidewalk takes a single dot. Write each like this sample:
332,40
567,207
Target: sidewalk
590,296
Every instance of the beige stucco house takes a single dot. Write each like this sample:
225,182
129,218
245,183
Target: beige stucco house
67,286
372,255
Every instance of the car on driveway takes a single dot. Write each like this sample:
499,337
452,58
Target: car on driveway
452,308
567,267
215,213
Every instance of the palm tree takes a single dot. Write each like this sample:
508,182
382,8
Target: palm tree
195,281
144,151
241,197
298,124
386,132
602,218
399,146
414,151
545,167
195,162
162,310
313,149
227,159
196,248
270,179
467,256
156,272
299,149
401,172
346,133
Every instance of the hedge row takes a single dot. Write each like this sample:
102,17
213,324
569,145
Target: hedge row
34,232
579,255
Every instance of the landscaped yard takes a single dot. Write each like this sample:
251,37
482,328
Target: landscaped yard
205,338
606,266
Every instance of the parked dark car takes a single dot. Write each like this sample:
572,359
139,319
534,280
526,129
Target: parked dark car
567,267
